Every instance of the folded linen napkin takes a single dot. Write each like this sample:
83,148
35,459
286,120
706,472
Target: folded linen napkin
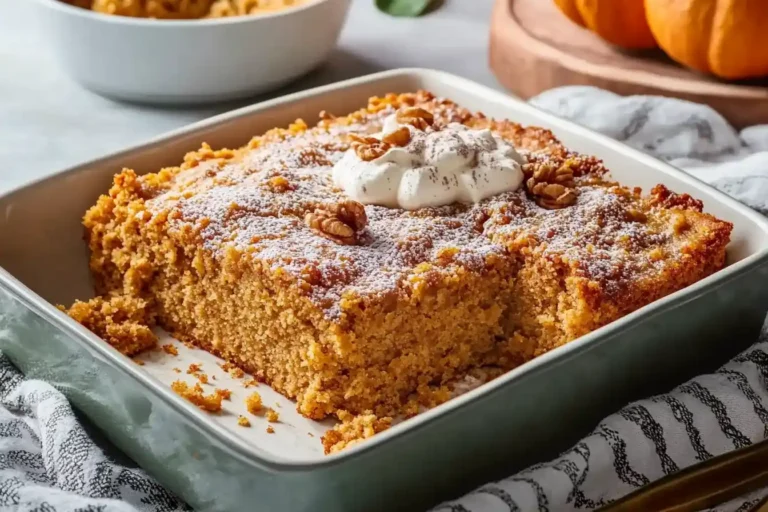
50,463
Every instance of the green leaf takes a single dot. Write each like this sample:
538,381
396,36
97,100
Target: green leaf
408,8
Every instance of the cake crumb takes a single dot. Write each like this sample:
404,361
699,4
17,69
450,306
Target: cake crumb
210,403
225,394
253,403
270,430
353,429
139,362
272,415
231,369
170,349
177,370
194,368
202,377
250,382
243,421
123,322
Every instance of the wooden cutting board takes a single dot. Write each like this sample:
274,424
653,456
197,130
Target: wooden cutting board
534,47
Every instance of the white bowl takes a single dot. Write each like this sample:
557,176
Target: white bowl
190,61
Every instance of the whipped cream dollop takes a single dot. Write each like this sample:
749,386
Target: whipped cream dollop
437,167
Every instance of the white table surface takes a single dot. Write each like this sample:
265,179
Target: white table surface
47,122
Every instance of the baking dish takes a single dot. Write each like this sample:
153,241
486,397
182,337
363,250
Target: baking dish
530,413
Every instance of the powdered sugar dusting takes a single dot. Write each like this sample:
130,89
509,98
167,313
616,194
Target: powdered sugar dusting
596,235
240,204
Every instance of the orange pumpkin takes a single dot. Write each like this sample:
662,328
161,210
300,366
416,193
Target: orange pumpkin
620,22
728,38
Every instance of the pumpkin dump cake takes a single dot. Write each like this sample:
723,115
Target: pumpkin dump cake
365,265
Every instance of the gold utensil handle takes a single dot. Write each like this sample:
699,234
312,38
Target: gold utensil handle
703,485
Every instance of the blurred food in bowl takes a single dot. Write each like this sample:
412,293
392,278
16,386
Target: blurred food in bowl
185,9
177,60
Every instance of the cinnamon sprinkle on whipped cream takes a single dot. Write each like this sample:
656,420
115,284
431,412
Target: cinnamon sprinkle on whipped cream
436,168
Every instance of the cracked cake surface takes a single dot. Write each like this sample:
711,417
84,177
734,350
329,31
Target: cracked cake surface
256,255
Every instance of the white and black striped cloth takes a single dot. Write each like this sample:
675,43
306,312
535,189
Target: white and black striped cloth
703,418
49,463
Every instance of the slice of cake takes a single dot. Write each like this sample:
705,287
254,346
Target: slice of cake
364,265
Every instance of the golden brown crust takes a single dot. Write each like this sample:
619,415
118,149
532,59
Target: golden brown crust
665,198
383,326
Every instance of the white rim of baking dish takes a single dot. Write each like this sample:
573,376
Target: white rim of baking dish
251,453
154,22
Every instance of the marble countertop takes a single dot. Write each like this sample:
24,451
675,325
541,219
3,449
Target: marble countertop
47,122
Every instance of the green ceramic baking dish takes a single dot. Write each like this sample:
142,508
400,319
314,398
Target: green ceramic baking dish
527,415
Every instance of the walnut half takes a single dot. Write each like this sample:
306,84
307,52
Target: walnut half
416,117
552,187
340,222
371,148
368,148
